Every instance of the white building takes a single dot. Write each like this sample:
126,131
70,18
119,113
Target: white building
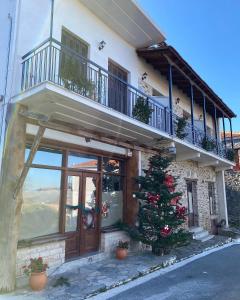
75,71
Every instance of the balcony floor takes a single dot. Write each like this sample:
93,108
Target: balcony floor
80,112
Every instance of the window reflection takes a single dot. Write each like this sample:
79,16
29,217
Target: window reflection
89,203
112,200
72,203
40,211
46,156
81,161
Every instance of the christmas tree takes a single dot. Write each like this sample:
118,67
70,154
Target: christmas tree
160,210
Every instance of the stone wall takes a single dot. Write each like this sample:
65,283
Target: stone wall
190,170
52,252
109,240
232,180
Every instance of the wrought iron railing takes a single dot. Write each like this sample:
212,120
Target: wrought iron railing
54,62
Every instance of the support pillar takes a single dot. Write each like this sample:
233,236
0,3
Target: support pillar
12,165
131,205
230,123
170,97
224,133
216,128
204,116
221,196
192,112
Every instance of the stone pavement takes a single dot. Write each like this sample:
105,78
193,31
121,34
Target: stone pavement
85,281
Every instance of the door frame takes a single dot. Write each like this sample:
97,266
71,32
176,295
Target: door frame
125,104
78,233
194,202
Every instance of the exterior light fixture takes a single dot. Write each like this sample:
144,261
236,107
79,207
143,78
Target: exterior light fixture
101,45
144,76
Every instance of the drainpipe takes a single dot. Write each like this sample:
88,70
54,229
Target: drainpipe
50,36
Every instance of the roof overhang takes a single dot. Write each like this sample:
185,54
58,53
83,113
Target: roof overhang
127,19
183,74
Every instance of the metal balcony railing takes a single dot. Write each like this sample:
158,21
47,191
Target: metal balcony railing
57,63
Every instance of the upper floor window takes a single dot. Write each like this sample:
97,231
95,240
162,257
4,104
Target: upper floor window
74,43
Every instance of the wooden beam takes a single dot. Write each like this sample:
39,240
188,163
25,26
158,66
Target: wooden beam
208,163
187,156
40,120
29,161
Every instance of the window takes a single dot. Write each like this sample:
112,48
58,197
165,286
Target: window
40,211
81,161
212,198
112,191
112,166
41,215
46,156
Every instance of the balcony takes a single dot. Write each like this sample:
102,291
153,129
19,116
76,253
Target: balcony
52,62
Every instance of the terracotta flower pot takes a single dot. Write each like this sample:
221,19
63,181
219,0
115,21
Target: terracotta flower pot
121,253
38,281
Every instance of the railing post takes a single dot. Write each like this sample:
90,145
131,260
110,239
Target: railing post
230,123
100,86
204,116
192,113
170,98
216,129
165,119
23,76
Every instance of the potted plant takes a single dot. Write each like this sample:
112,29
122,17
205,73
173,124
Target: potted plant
207,144
181,124
230,154
141,110
36,271
122,249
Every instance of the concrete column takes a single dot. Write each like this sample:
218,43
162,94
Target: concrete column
221,194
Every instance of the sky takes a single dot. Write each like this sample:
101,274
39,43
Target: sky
207,34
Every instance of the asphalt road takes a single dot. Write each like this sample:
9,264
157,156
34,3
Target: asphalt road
213,277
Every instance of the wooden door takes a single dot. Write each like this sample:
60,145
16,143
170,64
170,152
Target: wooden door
117,91
82,213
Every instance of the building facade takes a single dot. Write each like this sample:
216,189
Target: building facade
82,75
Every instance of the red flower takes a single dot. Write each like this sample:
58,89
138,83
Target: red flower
153,198
175,200
166,231
180,211
169,182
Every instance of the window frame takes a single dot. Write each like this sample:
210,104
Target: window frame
66,149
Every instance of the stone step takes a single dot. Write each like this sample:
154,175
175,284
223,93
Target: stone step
207,238
195,229
200,235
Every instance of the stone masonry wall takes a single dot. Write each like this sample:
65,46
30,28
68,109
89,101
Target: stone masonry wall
232,180
53,253
190,170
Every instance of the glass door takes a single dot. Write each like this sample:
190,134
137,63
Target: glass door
72,213
82,213
90,213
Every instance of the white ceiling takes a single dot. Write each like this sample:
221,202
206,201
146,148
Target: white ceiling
127,19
